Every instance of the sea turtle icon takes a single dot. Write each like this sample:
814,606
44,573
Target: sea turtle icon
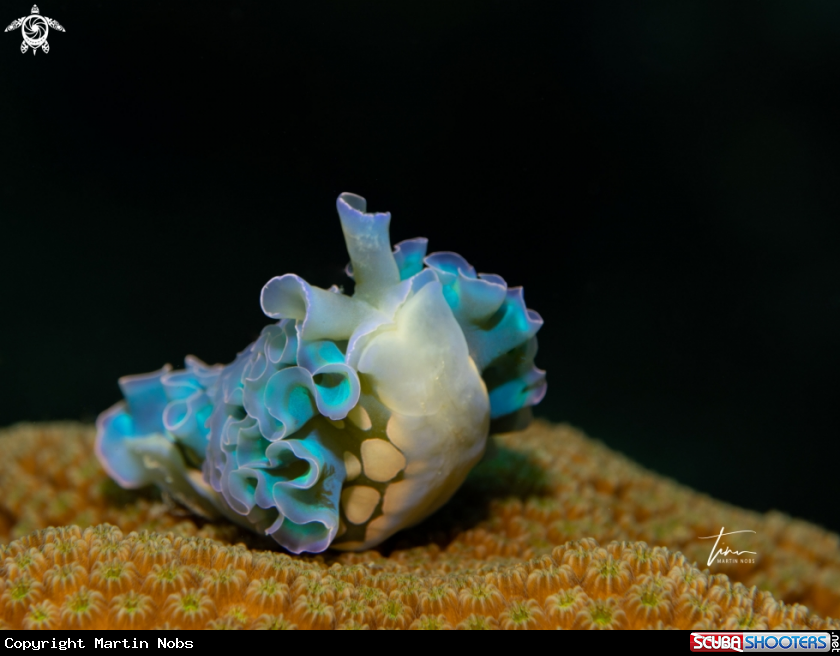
35,29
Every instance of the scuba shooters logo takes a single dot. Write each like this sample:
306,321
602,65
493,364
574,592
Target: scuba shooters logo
34,29
764,641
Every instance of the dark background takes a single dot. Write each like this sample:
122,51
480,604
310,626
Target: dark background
661,177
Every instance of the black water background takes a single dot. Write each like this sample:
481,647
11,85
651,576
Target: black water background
661,177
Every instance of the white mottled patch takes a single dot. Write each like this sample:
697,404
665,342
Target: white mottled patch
401,496
359,416
382,460
352,465
396,432
359,502
378,529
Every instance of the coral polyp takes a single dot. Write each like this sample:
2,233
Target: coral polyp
352,417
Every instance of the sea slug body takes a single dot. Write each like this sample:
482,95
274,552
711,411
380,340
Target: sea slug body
350,418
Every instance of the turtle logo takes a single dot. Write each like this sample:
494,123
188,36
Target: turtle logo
34,29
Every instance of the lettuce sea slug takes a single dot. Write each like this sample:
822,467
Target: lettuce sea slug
350,418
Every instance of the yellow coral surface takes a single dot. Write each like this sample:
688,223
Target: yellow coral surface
518,547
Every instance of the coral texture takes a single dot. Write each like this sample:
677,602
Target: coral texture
516,548
351,418
98,578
